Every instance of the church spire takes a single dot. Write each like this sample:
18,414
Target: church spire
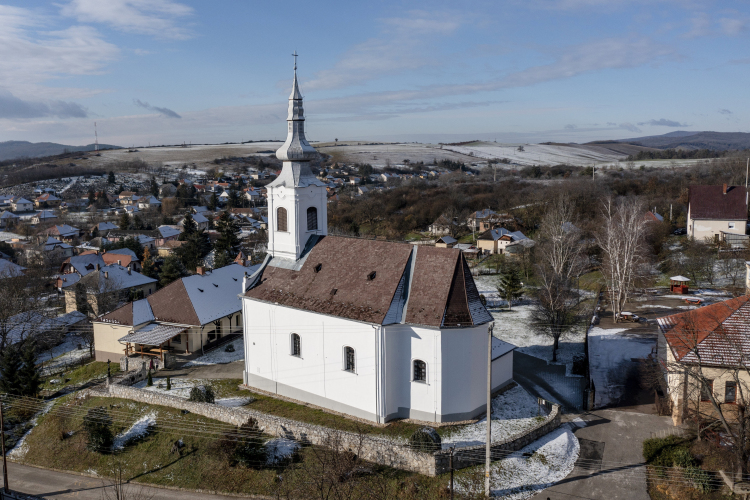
296,148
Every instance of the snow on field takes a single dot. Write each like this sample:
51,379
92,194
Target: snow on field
219,355
512,412
610,359
65,354
137,431
514,326
70,184
539,154
7,236
278,449
21,448
517,477
181,389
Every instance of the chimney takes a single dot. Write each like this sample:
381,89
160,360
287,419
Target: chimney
106,275
199,270
97,267
119,262
725,189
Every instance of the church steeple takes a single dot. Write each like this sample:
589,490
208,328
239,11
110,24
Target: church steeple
297,202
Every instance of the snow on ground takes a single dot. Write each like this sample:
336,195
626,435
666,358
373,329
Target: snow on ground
62,355
70,184
7,236
21,448
219,355
517,477
181,389
610,355
278,449
512,412
137,431
514,326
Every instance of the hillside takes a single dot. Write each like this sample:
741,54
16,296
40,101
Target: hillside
715,141
24,149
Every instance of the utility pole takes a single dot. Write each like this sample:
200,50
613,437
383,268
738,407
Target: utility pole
747,174
2,443
487,451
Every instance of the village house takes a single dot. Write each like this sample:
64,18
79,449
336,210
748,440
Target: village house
47,200
124,257
710,344
128,198
21,204
182,317
373,329
475,219
148,203
496,220
714,211
102,227
8,219
103,289
168,248
496,241
446,242
10,269
167,190
146,237
43,216
442,225
63,232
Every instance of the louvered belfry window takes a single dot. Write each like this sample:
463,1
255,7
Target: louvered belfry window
312,219
281,219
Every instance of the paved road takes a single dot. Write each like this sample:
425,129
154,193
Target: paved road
58,485
609,467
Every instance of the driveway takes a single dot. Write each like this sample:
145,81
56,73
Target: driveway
610,466
225,370
59,485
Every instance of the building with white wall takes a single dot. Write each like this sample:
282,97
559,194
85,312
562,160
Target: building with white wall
373,329
714,211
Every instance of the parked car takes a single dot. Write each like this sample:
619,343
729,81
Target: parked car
680,231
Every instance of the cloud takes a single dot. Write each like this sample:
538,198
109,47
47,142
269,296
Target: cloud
158,18
630,127
733,26
663,122
14,108
725,112
29,55
164,111
403,45
701,25
570,127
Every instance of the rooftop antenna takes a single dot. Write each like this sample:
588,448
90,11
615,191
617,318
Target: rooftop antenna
96,139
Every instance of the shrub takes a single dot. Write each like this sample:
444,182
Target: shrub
169,384
150,381
425,439
202,394
97,423
229,348
249,449
654,446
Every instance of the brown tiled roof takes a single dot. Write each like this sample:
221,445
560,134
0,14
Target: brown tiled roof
173,305
718,334
112,258
120,316
710,202
442,291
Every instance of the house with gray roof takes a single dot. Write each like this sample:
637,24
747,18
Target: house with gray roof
497,240
104,289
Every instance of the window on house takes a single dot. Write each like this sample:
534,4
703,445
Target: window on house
281,219
420,371
296,345
312,219
707,388
731,225
177,339
349,359
730,392
237,320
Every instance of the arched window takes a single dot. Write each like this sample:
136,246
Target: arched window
296,345
349,359
312,219
420,371
281,219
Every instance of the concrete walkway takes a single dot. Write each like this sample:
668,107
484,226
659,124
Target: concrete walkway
548,381
610,466
59,485
226,370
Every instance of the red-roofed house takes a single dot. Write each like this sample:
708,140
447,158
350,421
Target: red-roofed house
713,210
711,343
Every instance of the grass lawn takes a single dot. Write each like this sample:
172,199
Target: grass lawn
59,441
80,375
414,236
469,238
591,281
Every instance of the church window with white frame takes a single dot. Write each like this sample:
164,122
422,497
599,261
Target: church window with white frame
349,365
281,224
420,371
312,219
296,345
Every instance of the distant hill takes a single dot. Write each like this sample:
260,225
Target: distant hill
715,141
10,150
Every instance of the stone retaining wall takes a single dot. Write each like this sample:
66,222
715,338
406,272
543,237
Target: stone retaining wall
379,450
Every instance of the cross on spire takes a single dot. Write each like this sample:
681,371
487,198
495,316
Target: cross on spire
295,60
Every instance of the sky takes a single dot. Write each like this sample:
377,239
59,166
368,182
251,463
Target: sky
168,71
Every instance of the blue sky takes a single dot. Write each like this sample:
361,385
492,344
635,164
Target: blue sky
168,71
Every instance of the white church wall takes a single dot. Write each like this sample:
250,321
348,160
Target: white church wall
464,372
502,370
318,375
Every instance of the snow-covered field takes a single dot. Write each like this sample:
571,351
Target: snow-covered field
278,449
21,448
181,389
540,154
610,355
138,430
7,236
62,355
530,470
512,412
514,326
220,356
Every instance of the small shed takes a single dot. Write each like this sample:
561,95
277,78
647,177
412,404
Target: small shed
446,242
678,284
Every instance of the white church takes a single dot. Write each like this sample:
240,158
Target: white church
373,329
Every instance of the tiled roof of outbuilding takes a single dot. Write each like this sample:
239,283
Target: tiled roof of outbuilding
710,202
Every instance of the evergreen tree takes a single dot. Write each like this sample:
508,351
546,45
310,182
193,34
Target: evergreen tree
234,198
120,189
222,259
510,287
213,202
189,227
124,221
227,240
147,266
154,187
111,177
92,196
137,222
10,365
150,381
29,377
171,270
195,248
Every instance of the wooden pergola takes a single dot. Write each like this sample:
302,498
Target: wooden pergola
154,336
678,284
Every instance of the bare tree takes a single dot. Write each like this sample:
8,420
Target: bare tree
621,239
118,487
